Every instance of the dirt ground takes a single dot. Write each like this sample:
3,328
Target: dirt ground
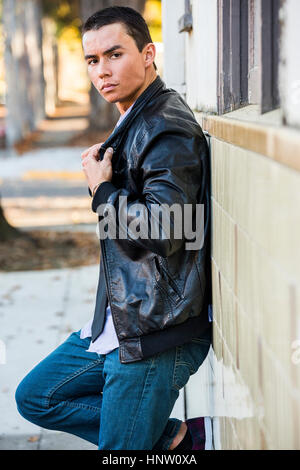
41,249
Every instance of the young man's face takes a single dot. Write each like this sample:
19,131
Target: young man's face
125,67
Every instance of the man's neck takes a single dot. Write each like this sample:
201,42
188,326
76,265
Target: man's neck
122,107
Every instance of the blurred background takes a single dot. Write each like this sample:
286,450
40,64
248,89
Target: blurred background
237,65
46,103
41,52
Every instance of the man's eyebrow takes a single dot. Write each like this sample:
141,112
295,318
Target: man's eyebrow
108,51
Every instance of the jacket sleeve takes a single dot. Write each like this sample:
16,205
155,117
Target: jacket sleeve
169,171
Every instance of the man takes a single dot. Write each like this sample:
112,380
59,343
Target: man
115,382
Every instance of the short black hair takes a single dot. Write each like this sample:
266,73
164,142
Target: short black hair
135,25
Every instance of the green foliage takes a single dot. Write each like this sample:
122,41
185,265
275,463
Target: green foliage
65,13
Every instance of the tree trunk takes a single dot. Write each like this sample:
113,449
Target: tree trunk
7,232
50,59
23,67
104,115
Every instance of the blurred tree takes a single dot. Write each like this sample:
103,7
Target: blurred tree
24,78
58,16
70,13
23,67
104,115
24,61
7,232
63,12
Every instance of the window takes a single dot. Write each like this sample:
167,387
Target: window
248,54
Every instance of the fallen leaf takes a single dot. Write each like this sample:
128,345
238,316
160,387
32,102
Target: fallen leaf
17,287
33,438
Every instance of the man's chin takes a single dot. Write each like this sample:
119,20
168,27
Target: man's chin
110,99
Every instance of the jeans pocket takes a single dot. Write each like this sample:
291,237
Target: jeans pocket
181,372
189,358
196,352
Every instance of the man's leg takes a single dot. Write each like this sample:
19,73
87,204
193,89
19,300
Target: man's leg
63,392
138,397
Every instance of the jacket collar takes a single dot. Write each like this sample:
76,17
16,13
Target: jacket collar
115,138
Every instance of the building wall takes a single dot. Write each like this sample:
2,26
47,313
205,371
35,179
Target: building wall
201,57
174,63
250,381
255,266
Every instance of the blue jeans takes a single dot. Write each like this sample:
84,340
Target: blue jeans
113,405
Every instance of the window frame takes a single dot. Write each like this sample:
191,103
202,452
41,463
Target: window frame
248,30
232,74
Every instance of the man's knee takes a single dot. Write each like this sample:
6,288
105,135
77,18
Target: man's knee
27,401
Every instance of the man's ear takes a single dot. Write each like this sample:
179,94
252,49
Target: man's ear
150,52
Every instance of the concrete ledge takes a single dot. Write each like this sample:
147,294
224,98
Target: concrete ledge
279,143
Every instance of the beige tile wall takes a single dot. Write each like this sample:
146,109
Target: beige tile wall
256,297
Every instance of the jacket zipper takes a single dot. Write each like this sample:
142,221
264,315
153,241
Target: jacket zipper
103,253
171,281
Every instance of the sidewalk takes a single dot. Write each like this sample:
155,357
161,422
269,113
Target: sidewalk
44,188
48,175
38,311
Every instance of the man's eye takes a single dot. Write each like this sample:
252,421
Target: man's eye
118,54
92,62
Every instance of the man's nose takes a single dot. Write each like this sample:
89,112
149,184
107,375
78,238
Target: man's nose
103,69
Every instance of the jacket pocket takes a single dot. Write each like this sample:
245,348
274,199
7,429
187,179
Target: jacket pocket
165,281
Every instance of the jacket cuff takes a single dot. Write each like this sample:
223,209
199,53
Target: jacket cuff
102,194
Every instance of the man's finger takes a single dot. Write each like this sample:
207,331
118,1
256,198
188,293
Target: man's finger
95,152
86,152
108,154
95,147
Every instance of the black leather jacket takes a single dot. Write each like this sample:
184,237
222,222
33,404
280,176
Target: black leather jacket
156,288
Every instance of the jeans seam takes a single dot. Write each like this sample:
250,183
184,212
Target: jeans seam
141,399
67,379
81,405
176,362
188,365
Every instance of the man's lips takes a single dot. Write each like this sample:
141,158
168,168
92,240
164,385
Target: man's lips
108,86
